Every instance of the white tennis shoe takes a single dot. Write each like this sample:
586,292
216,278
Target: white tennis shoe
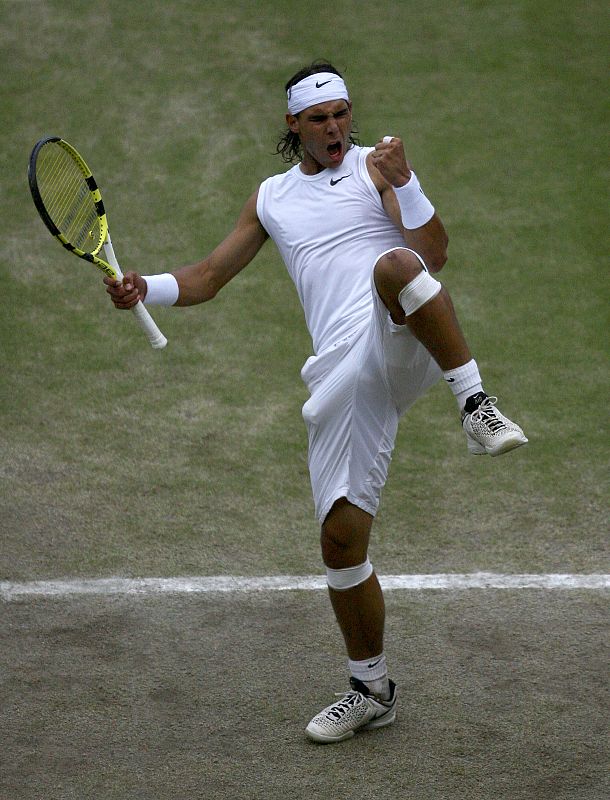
487,430
358,710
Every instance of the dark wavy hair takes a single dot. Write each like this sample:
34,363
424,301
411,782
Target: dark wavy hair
289,146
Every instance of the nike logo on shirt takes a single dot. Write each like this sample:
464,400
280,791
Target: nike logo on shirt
334,182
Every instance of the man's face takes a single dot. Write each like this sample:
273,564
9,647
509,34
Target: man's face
324,131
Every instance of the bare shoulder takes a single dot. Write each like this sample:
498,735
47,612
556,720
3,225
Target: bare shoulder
250,204
249,214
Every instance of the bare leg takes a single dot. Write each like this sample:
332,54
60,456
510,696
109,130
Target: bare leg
434,324
360,611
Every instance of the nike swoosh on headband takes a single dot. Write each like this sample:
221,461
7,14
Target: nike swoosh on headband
320,85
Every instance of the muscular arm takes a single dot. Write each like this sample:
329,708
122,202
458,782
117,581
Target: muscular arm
202,281
388,167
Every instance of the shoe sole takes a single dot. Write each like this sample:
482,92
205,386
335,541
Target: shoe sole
477,449
380,722
319,739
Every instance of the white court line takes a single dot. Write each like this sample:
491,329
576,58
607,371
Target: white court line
279,583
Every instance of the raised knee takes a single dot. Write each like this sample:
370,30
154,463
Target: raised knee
397,268
393,272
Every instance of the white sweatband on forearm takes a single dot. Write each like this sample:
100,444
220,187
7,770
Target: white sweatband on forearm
162,290
415,208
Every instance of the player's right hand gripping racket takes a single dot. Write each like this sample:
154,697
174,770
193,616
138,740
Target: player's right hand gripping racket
70,204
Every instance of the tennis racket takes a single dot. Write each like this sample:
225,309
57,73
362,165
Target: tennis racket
70,204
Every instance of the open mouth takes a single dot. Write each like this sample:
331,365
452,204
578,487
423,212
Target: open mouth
334,150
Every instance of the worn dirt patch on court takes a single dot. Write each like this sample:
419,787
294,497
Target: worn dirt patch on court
501,696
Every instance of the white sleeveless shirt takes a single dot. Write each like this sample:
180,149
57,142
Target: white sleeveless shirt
329,228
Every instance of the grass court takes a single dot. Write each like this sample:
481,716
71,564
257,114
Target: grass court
120,461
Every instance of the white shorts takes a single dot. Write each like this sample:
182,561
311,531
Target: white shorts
360,387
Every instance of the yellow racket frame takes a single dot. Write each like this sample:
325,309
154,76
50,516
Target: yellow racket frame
91,257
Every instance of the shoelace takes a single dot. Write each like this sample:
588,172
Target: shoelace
486,412
343,706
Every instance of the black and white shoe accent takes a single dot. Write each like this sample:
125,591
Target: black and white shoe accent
488,432
357,710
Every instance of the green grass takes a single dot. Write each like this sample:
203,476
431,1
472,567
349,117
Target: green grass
120,460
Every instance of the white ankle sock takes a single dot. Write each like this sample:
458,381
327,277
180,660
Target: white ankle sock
374,673
464,381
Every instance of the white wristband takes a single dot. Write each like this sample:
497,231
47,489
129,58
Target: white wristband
162,290
415,208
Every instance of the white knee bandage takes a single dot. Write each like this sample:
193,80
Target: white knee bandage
417,292
342,579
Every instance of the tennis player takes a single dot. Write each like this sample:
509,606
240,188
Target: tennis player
362,242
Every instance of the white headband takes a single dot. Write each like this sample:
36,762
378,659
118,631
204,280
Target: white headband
317,88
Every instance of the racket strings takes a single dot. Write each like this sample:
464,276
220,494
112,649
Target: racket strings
68,199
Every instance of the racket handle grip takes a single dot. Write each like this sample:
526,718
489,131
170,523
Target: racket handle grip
149,326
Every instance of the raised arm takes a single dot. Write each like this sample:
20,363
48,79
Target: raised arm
200,282
390,170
